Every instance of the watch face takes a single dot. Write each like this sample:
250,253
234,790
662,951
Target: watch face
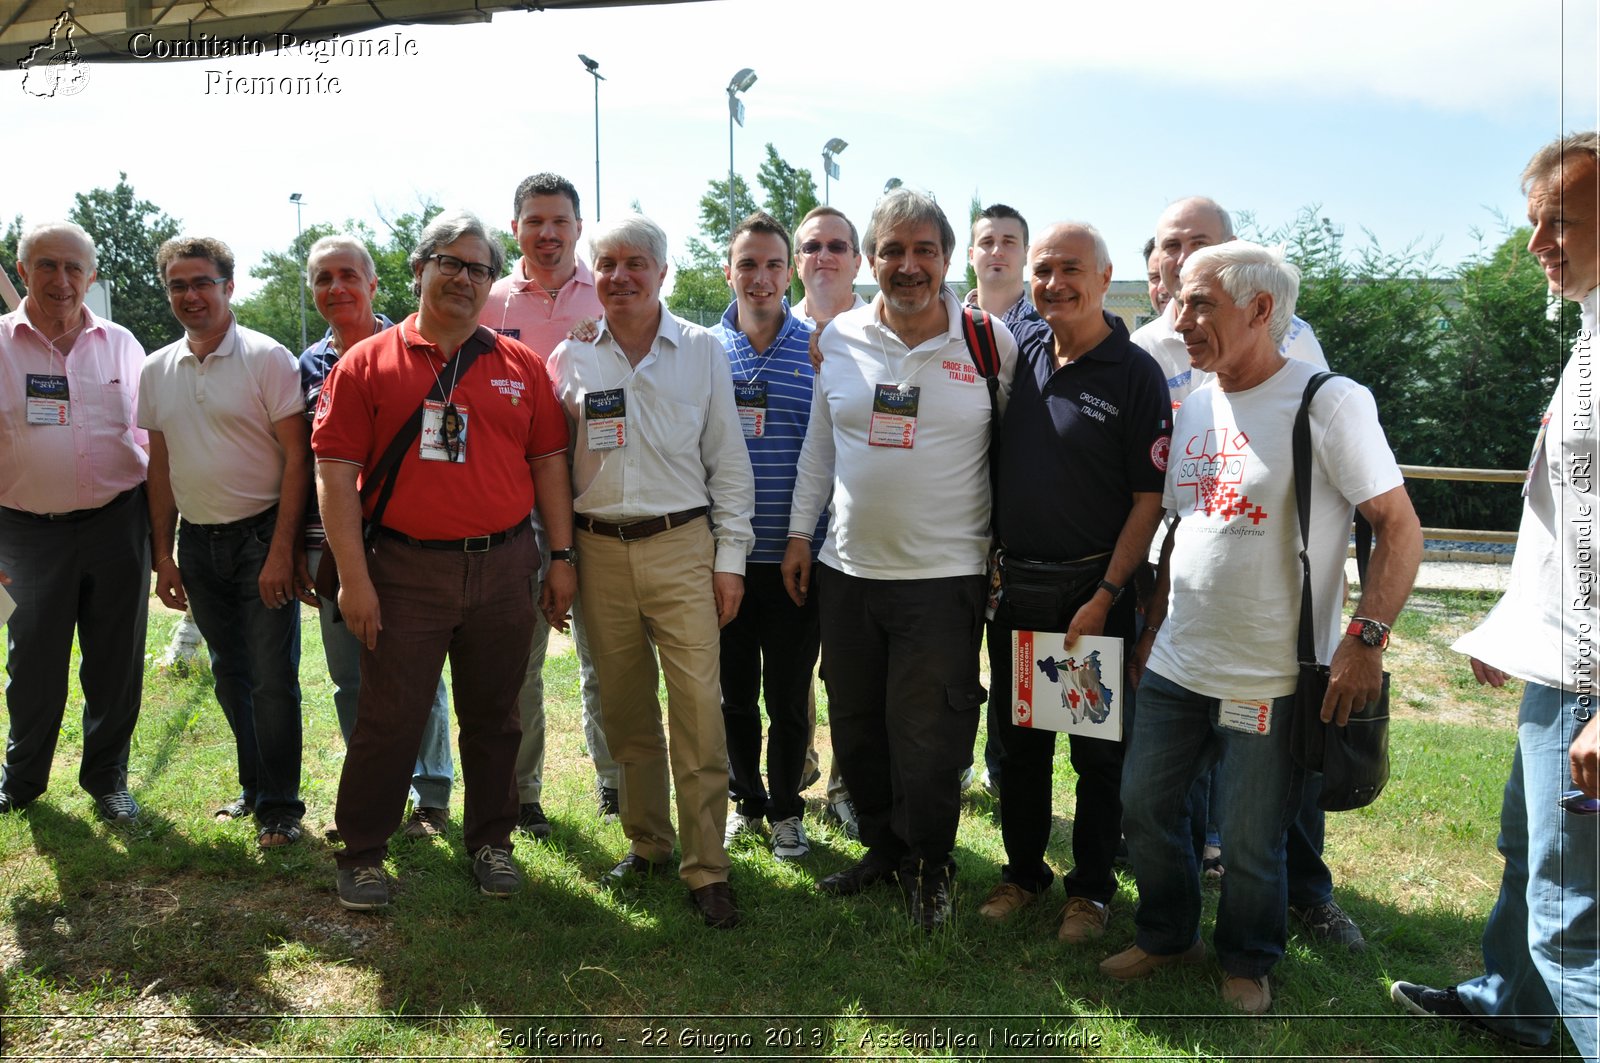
1372,634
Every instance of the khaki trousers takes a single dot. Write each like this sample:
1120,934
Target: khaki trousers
639,599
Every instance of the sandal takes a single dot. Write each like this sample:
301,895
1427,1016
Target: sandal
277,833
235,809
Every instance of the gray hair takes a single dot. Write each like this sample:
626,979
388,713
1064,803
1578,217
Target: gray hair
1224,219
1102,253
341,242
446,229
1548,159
631,230
904,206
57,228
1245,269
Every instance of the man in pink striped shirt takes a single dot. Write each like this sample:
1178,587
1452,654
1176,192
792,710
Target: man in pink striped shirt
74,529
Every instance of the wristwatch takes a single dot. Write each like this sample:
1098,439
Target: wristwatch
1111,589
1371,632
569,555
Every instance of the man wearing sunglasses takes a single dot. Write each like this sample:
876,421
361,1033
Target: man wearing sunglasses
448,567
228,452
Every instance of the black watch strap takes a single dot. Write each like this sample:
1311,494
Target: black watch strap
1111,589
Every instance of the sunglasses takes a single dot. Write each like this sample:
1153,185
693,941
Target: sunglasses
835,247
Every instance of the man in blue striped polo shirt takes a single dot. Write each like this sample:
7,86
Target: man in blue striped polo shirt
772,644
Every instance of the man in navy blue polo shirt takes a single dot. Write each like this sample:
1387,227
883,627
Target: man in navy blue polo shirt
772,643
1083,452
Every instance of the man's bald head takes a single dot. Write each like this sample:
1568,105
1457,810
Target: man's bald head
1184,228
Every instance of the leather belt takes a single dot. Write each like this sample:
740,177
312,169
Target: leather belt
72,515
473,544
266,516
635,530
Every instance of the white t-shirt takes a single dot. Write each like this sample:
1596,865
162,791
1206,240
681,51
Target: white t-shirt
1163,343
1543,629
1234,609
800,310
900,513
217,417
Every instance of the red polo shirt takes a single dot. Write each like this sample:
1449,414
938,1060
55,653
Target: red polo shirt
512,419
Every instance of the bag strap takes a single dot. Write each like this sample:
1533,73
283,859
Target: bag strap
1302,497
386,472
978,328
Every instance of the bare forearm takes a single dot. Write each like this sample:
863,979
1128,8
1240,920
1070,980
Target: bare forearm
340,505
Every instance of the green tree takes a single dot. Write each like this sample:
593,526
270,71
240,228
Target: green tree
975,208
274,308
126,232
9,243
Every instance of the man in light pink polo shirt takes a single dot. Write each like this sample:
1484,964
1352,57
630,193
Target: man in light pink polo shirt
74,531
549,290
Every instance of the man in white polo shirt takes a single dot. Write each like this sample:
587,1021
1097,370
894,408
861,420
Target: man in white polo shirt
899,439
230,451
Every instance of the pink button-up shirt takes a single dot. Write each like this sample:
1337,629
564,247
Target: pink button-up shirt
99,453
524,311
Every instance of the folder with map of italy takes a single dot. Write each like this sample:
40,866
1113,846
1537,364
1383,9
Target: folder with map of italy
1077,691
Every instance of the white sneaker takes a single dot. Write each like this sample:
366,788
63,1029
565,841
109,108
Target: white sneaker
844,810
789,839
739,822
968,777
184,649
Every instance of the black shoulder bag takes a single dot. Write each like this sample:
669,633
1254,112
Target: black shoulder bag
386,472
1354,759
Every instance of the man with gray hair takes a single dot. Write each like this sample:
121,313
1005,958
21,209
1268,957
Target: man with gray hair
1218,657
444,570
1541,947
343,280
899,438
664,495
74,531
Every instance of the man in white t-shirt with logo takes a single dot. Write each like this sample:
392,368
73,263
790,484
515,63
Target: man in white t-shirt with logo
1218,656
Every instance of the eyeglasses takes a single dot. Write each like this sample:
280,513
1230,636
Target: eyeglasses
200,285
835,247
450,265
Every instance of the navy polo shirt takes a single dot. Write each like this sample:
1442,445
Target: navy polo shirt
1076,443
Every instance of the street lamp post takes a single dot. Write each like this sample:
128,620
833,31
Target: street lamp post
299,231
594,68
830,169
740,83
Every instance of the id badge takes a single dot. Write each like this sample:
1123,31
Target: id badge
47,400
751,398
444,432
1251,717
894,416
605,419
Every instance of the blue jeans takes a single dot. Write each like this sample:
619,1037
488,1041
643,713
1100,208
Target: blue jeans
1541,946
255,656
1175,739
430,781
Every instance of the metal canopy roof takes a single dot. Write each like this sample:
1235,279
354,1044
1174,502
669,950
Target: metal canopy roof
106,30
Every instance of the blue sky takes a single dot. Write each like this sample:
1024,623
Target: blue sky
1408,119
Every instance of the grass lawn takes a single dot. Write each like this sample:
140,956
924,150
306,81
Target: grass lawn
179,940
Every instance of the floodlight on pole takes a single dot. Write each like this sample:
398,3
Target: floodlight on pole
740,83
830,169
593,67
299,231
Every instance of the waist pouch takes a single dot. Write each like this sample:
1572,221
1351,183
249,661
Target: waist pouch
1037,592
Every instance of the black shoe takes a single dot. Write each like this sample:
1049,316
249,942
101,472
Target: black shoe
610,807
812,778
928,897
530,820
714,902
632,870
861,875
1328,922
9,803
118,808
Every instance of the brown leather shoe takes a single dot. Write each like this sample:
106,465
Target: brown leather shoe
1082,920
715,903
1004,901
1134,962
1253,996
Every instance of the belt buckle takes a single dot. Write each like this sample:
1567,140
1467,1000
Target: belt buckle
624,536
470,544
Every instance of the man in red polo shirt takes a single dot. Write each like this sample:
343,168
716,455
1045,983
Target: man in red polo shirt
449,566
